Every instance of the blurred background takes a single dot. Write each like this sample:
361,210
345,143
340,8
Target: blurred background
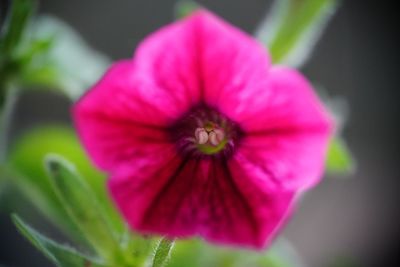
344,219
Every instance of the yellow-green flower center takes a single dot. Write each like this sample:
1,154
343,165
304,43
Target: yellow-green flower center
205,131
210,139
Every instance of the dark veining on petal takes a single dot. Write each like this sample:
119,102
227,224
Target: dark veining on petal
218,178
265,169
151,210
247,208
188,181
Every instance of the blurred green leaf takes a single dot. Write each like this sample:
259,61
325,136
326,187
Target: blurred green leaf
3,187
196,253
25,162
339,159
70,63
12,32
137,248
38,68
46,53
281,254
52,209
15,25
184,8
163,252
61,255
6,112
82,205
293,27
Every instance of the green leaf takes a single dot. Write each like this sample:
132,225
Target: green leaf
281,254
61,255
137,248
46,53
38,68
16,23
25,161
10,41
82,205
3,187
184,8
339,159
293,27
196,253
163,252
75,66
33,194
6,112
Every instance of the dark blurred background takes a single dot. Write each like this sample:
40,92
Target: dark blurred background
354,219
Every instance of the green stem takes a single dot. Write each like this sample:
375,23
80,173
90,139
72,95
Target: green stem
6,112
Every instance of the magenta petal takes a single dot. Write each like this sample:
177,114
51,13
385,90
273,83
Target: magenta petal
232,65
287,103
200,197
118,121
291,161
167,59
287,138
204,59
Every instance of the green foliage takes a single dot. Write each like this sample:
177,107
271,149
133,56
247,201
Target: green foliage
60,255
163,253
17,20
82,206
138,247
184,8
11,34
6,111
293,27
25,165
83,210
339,159
65,50
45,53
196,253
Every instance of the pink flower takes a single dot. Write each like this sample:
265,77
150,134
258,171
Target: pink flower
202,136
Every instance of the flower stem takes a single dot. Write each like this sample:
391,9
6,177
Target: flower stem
6,112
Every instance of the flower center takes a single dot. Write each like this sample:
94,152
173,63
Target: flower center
204,131
210,138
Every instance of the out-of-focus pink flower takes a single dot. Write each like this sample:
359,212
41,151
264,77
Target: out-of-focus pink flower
202,136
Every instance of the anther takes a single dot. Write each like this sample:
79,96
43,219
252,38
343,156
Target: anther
201,136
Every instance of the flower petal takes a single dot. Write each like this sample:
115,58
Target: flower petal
287,135
204,59
119,120
287,103
168,60
289,161
200,197
232,65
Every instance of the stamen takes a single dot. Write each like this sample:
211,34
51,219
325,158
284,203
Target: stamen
220,134
201,136
213,138
204,131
